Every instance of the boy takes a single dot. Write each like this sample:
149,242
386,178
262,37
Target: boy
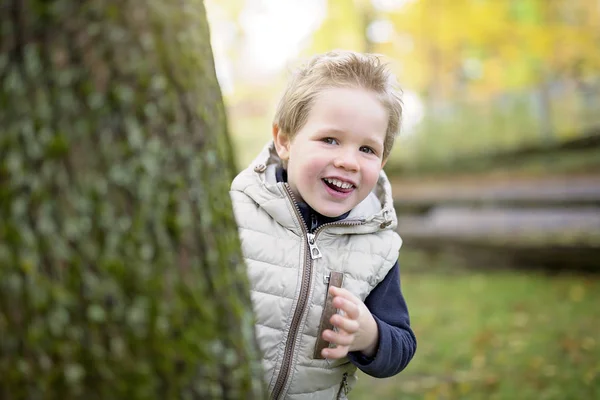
317,227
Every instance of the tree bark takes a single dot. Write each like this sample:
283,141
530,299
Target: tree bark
121,274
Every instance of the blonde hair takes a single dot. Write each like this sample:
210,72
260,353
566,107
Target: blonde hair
333,70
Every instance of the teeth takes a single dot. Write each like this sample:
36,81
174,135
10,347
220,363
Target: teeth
340,184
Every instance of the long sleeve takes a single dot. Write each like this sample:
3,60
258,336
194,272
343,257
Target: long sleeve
397,342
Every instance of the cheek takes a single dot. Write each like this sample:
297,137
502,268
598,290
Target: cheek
303,170
309,163
371,173
310,170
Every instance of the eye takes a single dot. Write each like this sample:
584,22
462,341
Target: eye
367,149
330,140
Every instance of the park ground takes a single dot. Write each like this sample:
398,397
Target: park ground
485,330
504,334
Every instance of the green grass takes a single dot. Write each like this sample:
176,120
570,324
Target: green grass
495,335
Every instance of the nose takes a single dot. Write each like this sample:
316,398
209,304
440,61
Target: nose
346,159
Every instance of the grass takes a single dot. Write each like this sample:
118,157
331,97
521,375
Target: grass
495,335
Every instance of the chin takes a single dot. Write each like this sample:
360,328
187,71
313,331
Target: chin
333,212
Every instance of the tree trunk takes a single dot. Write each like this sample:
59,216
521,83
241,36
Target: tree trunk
121,274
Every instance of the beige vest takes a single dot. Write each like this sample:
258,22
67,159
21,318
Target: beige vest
289,286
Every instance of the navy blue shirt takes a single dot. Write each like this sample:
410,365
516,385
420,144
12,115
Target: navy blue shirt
397,342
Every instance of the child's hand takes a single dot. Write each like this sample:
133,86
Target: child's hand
356,327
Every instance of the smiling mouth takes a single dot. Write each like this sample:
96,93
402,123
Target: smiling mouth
338,185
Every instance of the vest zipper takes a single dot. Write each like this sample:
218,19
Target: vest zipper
312,237
343,386
311,252
286,362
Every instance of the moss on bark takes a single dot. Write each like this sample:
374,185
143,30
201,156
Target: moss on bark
120,269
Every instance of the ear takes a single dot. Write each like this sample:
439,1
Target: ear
383,163
282,143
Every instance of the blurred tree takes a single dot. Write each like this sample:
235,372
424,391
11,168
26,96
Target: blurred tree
120,269
344,27
489,46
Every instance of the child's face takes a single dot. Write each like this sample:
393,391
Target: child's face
341,144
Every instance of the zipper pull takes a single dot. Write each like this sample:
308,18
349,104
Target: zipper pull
314,250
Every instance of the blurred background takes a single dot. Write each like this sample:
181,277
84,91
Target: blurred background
496,175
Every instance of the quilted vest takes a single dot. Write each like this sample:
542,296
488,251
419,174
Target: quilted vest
288,286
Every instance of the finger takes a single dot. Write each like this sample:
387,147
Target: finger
344,293
351,309
340,338
335,353
348,325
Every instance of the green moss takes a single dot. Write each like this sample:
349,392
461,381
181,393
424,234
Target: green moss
58,147
117,238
